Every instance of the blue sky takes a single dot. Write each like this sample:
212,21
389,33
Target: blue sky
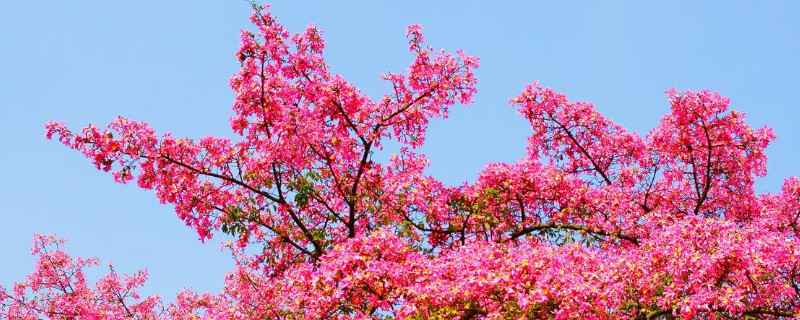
168,63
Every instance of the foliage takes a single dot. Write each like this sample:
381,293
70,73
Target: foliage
593,223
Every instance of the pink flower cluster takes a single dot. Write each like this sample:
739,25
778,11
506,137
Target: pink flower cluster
593,223
57,289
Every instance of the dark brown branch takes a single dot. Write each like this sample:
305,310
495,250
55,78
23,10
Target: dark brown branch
657,313
707,185
350,123
279,200
284,237
295,218
354,191
553,225
584,151
222,177
404,108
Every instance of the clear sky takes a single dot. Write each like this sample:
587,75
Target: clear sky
168,63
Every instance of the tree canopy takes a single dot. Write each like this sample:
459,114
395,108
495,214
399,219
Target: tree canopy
594,222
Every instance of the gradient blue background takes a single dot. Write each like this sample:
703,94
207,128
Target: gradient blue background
168,63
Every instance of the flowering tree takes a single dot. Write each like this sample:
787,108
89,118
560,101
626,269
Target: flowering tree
593,223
